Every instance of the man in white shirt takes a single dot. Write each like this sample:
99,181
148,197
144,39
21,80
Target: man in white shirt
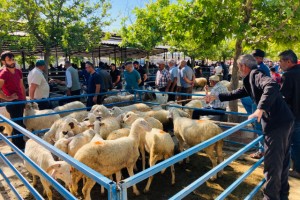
219,71
38,85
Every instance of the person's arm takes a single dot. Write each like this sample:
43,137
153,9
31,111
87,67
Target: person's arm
138,76
173,84
169,81
23,88
32,89
117,81
3,96
236,94
69,82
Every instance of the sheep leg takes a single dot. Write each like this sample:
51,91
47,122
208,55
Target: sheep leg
219,151
75,179
102,188
86,190
180,146
152,161
172,169
47,188
142,149
130,172
33,180
118,176
210,153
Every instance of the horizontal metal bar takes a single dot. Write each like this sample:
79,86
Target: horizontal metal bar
60,98
234,142
63,191
187,190
243,129
19,175
11,186
174,159
203,109
255,190
99,178
21,135
236,183
174,93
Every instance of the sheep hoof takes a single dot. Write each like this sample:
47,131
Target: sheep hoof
220,174
136,193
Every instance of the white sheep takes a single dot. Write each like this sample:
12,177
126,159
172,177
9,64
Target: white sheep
69,106
43,158
109,157
66,126
192,104
73,144
118,98
79,115
38,123
109,124
100,111
159,145
192,132
130,117
138,106
123,132
200,82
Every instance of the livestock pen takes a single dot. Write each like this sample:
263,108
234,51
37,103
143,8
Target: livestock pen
119,190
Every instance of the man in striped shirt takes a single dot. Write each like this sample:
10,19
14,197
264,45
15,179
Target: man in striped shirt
163,80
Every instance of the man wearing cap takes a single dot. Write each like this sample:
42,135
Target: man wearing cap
218,88
71,81
291,91
277,124
142,72
12,89
162,80
259,57
132,77
38,85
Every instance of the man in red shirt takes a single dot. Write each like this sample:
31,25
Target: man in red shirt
12,89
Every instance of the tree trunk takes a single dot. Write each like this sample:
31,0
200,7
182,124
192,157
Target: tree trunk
192,61
47,58
233,105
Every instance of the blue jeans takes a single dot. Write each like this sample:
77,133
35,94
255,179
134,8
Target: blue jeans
250,107
295,146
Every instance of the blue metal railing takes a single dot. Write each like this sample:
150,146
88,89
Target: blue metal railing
18,196
19,175
123,185
99,178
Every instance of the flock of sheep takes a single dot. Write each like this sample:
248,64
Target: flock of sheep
111,139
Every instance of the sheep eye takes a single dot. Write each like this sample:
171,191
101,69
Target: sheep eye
113,109
65,132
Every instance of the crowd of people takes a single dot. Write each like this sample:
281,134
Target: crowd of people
270,93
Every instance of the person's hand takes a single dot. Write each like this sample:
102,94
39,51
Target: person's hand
210,98
68,92
258,113
12,97
206,87
95,99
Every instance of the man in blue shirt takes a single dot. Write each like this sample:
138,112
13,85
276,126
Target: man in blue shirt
93,86
132,77
187,79
259,57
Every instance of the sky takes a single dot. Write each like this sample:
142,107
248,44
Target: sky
121,9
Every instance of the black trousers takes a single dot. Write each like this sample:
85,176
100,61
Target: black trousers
100,99
172,97
73,93
276,163
16,111
44,105
188,90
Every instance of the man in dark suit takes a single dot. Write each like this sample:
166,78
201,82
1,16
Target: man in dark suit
277,124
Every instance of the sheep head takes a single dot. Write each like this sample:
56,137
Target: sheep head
142,124
115,111
100,110
130,117
61,170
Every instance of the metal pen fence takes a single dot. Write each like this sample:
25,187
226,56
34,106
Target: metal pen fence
119,190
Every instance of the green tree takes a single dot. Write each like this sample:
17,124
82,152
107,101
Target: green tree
50,22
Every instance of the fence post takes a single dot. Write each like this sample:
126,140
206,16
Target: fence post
122,191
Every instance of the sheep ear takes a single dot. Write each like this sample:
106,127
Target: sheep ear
72,125
52,169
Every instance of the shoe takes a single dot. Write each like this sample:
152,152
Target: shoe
294,174
257,155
